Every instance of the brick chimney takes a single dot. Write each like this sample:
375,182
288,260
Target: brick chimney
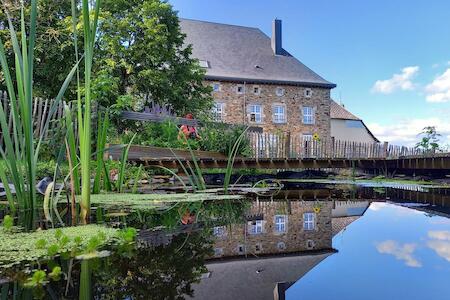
276,37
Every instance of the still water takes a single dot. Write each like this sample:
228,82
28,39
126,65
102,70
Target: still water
307,241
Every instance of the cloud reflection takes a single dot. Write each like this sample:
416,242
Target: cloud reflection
440,243
402,252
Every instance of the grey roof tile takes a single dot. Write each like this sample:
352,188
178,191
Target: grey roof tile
233,52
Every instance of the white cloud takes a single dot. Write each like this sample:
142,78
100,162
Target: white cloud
405,131
402,252
440,243
438,91
400,81
442,235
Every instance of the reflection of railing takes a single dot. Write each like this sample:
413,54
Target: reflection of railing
284,145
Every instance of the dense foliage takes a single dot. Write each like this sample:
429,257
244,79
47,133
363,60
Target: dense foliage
149,60
216,137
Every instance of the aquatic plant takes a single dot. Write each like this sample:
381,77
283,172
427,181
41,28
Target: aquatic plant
20,247
102,130
152,201
84,107
20,149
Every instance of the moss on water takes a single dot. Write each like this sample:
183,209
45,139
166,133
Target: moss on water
152,201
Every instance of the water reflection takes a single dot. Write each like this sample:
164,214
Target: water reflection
331,242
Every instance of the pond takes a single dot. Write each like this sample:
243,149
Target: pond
309,240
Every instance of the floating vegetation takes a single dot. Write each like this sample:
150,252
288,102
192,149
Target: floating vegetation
21,247
155,201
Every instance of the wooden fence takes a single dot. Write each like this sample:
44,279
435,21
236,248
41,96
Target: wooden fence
41,114
284,145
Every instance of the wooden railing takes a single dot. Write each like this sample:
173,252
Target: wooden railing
284,145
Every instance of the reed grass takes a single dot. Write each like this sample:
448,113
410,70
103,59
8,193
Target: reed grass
20,148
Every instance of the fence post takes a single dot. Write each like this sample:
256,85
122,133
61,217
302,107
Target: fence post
385,149
287,145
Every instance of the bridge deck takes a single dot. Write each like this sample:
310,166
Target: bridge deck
155,156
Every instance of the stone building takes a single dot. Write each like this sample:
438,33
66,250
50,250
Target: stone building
257,82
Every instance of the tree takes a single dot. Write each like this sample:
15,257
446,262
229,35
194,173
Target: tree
54,55
430,139
143,48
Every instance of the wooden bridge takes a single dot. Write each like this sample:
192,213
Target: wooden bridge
284,152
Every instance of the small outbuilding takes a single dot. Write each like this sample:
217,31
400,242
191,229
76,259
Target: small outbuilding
345,126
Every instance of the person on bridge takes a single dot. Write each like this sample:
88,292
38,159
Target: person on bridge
189,132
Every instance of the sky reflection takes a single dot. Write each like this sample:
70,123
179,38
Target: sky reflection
403,250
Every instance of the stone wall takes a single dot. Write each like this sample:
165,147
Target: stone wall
237,239
294,98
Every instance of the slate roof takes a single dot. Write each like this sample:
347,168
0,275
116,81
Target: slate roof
337,111
240,53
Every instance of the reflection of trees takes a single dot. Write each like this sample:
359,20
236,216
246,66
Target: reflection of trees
165,272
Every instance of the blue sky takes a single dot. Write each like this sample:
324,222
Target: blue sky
388,58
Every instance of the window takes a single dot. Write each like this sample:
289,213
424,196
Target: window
281,246
204,64
241,249
353,124
309,222
256,227
308,115
307,137
256,90
280,223
258,247
218,252
219,230
279,91
240,89
216,87
279,114
308,93
255,113
218,111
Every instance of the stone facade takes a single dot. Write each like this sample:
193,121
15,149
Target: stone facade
243,239
236,99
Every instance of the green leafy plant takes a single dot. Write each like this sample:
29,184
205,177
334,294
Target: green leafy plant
102,130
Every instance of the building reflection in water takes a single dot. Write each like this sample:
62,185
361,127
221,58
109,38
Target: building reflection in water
279,241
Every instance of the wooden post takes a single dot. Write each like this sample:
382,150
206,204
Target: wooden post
385,149
287,145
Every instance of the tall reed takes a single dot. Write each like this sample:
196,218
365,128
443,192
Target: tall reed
84,107
20,149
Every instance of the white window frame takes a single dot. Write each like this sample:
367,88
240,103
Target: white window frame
256,228
308,93
242,87
218,111
256,87
279,117
308,115
219,231
219,87
280,223
253,110
309,221
279,91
